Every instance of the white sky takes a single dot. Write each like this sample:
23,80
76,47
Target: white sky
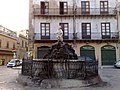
14,14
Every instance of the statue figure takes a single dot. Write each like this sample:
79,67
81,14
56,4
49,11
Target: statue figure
59,34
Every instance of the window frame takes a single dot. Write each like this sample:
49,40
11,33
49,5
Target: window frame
0,43
85,9
104,8
13,45
45,31
44,7
7,45
22,43
86,30
63,7
105,32
65,28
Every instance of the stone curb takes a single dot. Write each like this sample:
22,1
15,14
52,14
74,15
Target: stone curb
58,83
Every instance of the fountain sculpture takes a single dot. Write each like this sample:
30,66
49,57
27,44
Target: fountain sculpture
62,68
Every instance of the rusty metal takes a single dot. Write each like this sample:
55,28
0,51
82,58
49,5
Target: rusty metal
72,69
26,67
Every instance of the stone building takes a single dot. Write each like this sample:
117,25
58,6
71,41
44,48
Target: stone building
8,43
22,44
12,42
118,22
24,33
90,26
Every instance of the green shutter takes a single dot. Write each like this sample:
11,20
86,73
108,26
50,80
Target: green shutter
87,51
41,52
108,55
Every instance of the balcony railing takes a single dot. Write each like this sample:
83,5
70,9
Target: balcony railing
80,36
13,35
69,11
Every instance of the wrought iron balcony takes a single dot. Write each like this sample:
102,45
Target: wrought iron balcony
10,34
69,11
79,36
52,37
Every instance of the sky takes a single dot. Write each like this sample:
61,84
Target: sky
14,14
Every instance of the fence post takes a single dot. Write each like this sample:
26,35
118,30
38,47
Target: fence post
22,66
31,67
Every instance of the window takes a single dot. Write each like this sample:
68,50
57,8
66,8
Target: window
103,7
45,30
7,45
85,7
13,45
105,29
22,43
44,7
63,8
26,46
0,43
65,29
86,30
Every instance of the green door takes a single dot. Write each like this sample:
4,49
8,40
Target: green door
87,50
41,51
108,55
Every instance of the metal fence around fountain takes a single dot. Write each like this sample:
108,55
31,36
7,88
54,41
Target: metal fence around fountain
27,67
59,69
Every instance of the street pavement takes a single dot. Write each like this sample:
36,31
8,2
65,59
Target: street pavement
109,75
8,78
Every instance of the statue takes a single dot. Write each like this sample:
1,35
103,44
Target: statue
59,34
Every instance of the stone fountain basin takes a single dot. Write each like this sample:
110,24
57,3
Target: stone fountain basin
61,81
69,83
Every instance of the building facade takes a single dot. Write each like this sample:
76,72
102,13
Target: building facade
90,26
22,44
8,43
118,22
12,45
23,32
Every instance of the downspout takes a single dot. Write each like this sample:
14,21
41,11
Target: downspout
74,24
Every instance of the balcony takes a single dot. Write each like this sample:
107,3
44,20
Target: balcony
7,49
52,37
70,12
81,36
10,34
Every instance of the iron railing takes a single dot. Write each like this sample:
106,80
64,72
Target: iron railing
26,67
69,11
80,36
67,69
10,34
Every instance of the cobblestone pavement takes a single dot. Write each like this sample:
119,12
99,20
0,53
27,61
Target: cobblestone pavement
110,76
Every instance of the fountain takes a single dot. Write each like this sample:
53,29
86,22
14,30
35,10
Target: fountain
61,50
61,67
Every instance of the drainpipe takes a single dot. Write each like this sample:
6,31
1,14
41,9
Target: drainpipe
74,23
